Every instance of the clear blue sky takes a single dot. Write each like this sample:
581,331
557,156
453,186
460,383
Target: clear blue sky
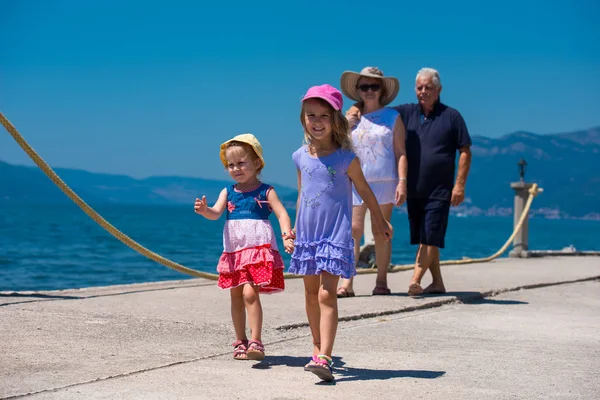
153,87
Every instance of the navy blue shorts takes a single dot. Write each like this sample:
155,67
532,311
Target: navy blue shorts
428,220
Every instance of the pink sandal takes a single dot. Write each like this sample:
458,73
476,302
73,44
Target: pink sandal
240,348
321,366
256,350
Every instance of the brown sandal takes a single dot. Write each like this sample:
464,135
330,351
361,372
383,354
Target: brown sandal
343,292
415,289
381,291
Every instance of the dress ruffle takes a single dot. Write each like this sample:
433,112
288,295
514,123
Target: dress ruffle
269,279
260,255
316,257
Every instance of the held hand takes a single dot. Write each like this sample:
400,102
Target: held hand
200,206
288,245
289,235
458,195
400,196
385,228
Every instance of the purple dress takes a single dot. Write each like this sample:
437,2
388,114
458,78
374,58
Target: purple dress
324,220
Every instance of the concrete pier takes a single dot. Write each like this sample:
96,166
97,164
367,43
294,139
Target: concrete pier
512,328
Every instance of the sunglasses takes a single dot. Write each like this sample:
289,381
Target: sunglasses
374,87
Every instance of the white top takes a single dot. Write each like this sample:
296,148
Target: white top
373,139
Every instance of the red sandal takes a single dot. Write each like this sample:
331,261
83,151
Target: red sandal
240,348
256,350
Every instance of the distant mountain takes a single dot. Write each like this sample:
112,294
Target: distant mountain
30,185
564,165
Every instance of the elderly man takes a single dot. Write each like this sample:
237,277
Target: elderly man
434,133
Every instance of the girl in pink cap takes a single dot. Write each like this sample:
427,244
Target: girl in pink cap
324,248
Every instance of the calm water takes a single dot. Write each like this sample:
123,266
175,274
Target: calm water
59,247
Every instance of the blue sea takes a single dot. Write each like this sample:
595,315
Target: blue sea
59,247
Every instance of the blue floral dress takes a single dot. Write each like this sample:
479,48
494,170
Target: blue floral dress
324,220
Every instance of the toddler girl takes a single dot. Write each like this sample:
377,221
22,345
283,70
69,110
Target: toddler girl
250,262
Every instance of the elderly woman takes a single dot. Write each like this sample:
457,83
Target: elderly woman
378,136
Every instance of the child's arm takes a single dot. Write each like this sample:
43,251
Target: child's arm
298,200
283,217
214,212
364,190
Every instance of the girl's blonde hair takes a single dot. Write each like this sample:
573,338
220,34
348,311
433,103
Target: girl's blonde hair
249,151
339,125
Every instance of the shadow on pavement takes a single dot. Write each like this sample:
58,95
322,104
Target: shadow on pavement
346,374
33,297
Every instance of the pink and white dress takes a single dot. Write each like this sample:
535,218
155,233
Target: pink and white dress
250,253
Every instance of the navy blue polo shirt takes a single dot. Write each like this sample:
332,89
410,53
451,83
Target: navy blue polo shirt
431,146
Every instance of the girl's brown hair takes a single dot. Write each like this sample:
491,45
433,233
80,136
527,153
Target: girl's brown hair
339,127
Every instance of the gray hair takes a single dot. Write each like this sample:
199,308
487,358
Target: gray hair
430,73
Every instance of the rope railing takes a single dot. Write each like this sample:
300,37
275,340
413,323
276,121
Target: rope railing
39,161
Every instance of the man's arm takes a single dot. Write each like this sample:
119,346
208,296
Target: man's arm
463,143
464,164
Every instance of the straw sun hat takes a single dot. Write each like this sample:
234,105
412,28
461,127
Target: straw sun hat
247,138
349,84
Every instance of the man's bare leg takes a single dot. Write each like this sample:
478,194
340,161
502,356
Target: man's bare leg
437,284
425,256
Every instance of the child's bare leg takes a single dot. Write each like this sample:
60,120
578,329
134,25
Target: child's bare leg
329,311
238,312
255,314
313,312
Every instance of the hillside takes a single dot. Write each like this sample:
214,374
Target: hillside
563,164
30,185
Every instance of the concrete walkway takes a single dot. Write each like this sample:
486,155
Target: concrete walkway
508,329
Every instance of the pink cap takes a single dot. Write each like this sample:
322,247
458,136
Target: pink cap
327,93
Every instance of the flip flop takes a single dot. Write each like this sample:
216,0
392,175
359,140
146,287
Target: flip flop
342,292
415,289
312,360
321,367
381,291
430,290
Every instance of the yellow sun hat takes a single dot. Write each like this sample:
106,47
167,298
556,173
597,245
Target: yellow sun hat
247,138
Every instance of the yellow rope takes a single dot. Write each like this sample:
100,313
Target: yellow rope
206,275
93,214
533,191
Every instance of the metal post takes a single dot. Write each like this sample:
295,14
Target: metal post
369,239
521,241
367,250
